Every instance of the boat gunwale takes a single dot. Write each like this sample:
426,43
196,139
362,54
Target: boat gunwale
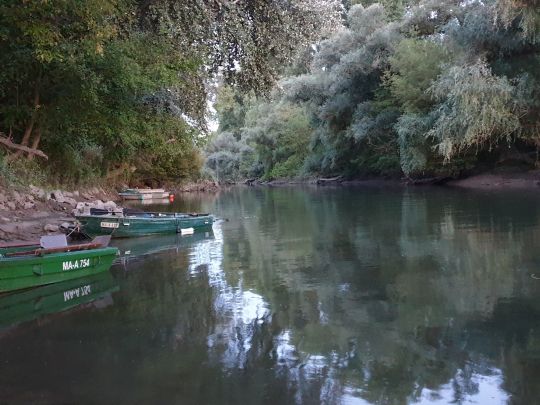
19,244
161,215
103,251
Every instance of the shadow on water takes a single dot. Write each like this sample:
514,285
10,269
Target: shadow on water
306,295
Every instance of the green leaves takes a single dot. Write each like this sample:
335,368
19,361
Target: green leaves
415,64
445,86
108,92
477,109
269,139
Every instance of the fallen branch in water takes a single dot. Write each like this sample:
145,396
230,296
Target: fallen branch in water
7,142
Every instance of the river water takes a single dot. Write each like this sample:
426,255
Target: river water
300,296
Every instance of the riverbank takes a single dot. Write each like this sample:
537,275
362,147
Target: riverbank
529,180
29,212
498,181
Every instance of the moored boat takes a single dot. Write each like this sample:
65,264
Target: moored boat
32,264
126,223
140,194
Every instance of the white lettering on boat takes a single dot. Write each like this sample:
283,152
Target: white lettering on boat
109,224
75,264
77,292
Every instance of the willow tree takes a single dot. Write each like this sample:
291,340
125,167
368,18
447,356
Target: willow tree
430,93
478,109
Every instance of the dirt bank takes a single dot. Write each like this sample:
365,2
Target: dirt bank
496,181
522,180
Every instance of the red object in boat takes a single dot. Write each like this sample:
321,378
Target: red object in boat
171,197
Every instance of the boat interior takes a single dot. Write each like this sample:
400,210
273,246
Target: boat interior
134,213
50,244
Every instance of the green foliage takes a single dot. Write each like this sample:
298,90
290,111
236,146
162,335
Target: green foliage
281,134
90,91
414,151
21,173
415,65
114,86
526,13
230,159
477,110
394,8
231,106
248,41
272,142
421,94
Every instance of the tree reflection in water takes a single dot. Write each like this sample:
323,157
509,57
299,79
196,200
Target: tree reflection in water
387,298
311,296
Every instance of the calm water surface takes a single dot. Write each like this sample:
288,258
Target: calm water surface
300,295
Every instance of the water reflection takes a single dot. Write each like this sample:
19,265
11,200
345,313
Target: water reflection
36,303
239,312
355,296
138,248
379,298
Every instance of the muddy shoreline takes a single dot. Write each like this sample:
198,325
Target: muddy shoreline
529,180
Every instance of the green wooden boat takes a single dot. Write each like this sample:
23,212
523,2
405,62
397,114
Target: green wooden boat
125,224
22,306
27,265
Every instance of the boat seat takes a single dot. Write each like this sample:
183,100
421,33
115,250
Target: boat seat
53,241
99,211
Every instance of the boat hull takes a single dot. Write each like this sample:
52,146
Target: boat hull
144,194
126,227
141,197
31,271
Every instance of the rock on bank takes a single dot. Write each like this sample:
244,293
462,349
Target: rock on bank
27,213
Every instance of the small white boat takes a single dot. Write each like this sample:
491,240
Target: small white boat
140,194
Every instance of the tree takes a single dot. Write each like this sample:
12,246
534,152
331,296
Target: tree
431,93
100,83
251,40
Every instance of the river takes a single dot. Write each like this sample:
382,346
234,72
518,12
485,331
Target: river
302,296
